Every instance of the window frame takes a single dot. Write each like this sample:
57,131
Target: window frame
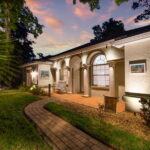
104,75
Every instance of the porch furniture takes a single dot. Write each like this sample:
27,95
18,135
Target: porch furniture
61,87
113,104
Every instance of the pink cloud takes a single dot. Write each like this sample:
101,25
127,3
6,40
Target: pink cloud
85,35
47,37
104,17
59,31
37,7
55,24
130,20
75,27
69,1
112,7
33,3
81,10
52,21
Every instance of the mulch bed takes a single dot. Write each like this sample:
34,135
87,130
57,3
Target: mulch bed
127,121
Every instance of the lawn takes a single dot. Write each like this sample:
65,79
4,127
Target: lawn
109,134
16,132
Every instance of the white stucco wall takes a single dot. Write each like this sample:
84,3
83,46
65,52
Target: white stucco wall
113,53
137,82
44,82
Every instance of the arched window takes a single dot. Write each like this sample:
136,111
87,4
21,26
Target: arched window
100,71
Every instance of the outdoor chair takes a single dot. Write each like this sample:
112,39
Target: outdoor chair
61,87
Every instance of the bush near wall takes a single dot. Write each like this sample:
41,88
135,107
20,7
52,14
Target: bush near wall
145,111
34,89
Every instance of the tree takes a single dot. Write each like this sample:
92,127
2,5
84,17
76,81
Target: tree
137,4
142,4
16,23
95,4
27,24
107,30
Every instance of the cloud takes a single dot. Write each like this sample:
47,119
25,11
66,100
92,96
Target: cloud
142,23
47,37
81,10
75,27
84,35
112,7
55,24
69,2
38,8
104,17
33,3
130,20
52,21
59,31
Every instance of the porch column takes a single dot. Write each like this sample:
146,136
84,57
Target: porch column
112,79
69,70
85,67
56,66
70,80
86,71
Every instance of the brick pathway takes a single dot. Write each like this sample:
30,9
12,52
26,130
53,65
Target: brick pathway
62,134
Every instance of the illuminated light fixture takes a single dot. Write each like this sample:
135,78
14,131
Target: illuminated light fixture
34,74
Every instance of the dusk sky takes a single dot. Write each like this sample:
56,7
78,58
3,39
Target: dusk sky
68,25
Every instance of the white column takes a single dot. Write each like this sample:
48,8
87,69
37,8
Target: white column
70,80
56,65
86,72
112,79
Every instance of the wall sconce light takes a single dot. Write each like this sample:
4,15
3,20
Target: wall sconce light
34,74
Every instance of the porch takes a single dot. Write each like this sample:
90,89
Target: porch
79,99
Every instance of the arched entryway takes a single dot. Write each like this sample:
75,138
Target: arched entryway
75,65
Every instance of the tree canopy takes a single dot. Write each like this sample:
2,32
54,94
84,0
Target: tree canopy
95,4
142,4
107,30
16,23
137,4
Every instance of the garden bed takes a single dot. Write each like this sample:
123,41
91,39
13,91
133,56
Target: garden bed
105,132
125,120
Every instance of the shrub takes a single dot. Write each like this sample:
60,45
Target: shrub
145,111
34,89
23,88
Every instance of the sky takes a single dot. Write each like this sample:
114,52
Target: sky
67,26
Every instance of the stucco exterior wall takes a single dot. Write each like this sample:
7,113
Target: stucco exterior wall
137,82
113,53
120,79
99,93
44,82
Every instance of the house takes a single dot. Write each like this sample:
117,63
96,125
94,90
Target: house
113,67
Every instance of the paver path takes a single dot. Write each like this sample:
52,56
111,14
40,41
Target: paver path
62,134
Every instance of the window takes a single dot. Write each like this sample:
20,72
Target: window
100,71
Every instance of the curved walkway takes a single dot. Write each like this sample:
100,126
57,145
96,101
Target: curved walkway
62,134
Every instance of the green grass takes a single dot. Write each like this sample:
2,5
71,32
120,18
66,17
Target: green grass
16,132
101,130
